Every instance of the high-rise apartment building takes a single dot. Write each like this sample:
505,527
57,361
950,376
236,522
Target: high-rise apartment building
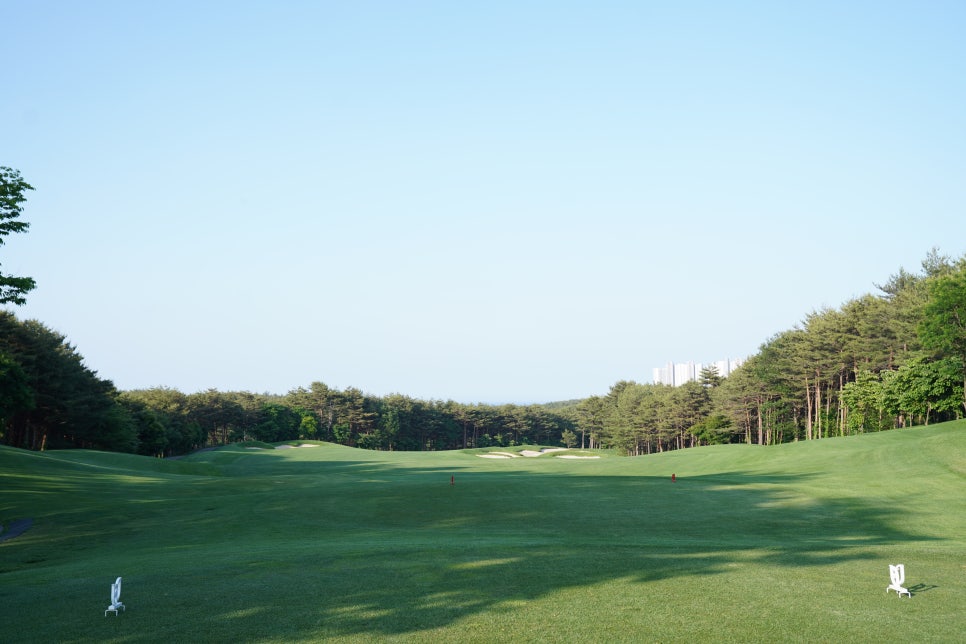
676,374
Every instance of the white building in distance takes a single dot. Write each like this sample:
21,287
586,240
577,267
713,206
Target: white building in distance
676,374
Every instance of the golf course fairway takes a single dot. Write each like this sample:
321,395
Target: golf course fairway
328,543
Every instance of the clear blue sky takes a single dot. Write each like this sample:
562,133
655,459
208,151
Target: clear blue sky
485,202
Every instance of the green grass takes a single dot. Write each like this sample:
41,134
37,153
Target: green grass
241,544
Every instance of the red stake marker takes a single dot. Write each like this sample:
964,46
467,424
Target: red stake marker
673,478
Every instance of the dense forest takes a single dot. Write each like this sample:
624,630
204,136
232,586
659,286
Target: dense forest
885,360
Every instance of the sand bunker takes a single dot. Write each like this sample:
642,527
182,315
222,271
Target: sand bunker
529,453
547,450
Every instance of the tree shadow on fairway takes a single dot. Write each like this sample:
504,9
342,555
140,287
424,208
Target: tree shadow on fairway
368,549
411,554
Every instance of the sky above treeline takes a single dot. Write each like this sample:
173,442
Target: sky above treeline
484,202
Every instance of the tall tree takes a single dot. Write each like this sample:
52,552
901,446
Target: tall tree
590,420
691,403
13,290
943,326
922,387
15,392
709,376
276,422
70,406
863,397
170,408
218,414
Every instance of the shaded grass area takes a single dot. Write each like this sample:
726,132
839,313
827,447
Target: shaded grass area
331,543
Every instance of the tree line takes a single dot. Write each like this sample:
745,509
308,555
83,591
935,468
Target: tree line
878,362
51,400
893,359
167,419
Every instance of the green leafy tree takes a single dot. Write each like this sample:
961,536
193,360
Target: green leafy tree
864,399
13,290
922,387
590,420
276,422
152,435
357,410
568,438
770,386
15,392
709,377
217,413
713,430
691,404
621,424
309,423
906,295
943,327
71,406
397,419
169,407
318,411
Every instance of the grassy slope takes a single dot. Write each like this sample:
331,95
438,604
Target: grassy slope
750,544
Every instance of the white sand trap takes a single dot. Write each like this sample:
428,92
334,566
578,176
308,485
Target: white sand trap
546,450
307,445
530,453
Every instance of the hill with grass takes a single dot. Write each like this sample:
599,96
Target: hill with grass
329,543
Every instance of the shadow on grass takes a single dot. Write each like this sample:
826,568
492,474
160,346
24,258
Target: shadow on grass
343,548
410,554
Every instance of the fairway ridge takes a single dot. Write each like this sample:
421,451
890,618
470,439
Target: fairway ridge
790,542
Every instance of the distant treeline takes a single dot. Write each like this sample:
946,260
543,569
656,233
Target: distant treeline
881,361
349,417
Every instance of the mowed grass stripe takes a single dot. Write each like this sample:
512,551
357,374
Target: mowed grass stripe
330,543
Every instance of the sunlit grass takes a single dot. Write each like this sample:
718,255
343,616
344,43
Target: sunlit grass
336,544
